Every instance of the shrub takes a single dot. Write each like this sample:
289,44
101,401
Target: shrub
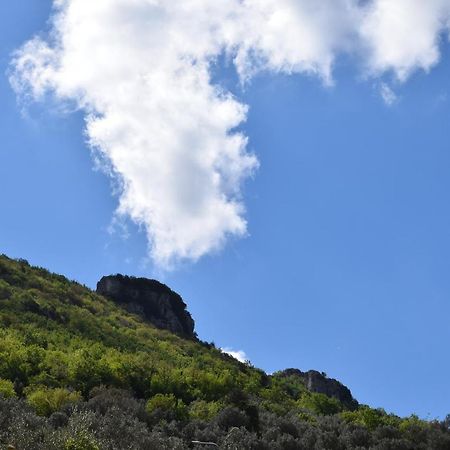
46,401
81,442
7,388
202,410
5,290
370,418
242,439
319,403
104,399
168,404
231,417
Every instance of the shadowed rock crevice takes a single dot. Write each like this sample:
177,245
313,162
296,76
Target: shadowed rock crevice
153,301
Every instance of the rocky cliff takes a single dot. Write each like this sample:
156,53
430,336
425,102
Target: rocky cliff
318,382
152,300
165,309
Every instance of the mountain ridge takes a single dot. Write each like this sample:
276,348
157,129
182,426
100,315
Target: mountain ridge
79,371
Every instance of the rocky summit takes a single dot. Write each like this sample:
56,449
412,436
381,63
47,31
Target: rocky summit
318,382
153,301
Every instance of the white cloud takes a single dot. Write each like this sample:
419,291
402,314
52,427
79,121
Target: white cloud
236,354
387,94
140,70
403,35
294,36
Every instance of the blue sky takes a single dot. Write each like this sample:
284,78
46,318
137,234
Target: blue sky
344,268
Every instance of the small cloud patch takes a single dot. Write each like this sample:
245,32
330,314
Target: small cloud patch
387,94
240,355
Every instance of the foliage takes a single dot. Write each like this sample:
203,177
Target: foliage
371,418
202,410
167,404
7,388
81,442
319,403
77,372
46,401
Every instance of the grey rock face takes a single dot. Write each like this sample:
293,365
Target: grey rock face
152,300
318,382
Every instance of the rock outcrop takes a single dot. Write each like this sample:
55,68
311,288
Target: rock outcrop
152,300
318,382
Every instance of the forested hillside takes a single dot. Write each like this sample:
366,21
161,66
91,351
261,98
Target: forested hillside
80,372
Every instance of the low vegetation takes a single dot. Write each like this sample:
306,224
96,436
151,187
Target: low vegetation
77,372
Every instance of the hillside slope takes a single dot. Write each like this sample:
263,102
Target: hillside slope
78,371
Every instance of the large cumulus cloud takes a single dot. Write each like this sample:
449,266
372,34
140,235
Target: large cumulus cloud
141,72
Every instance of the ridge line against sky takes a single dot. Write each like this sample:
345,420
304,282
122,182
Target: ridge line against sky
140,70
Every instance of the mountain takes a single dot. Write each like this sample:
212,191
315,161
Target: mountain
153,301
122,368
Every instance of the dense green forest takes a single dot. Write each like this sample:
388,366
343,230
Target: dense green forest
79,372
